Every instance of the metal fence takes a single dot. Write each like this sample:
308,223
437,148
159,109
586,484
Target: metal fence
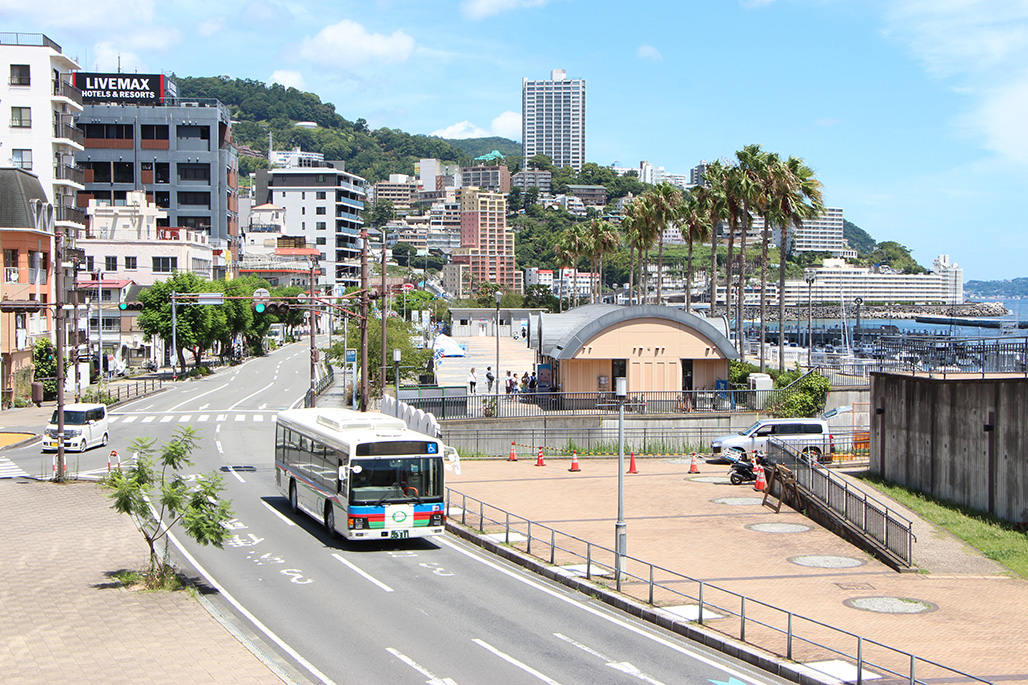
776,631
122,391
874,520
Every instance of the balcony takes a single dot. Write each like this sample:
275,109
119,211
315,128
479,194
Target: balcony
65,172
67,132
63,89
10,274
37,276
70,215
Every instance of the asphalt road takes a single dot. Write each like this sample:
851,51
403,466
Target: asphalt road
433,610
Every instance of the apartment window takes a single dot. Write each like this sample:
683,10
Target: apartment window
21,117
195,199
20,75
321,241
130,264
110,263
303,210
89,264
320,195
320,225
22,159
165,265
319,210
194,172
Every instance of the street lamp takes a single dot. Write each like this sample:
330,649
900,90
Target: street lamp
499,296
856,331
100,320
396,377
621,389
809,277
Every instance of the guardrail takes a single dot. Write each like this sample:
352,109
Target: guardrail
875,520
776,631
122,391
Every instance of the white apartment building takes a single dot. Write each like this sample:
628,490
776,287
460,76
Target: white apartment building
37,129
296,157
553,119
322,205
837,281
125,241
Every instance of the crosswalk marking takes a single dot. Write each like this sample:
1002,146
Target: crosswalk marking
166,419
8,469
240,417
258,417
222,417
202,418
148,419
128,419
184,418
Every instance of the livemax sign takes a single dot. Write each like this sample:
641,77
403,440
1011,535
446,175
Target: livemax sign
143,89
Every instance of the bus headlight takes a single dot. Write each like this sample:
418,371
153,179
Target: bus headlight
358,522
437,519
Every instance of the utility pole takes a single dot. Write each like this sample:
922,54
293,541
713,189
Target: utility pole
314,348
59,325
364,320
382,309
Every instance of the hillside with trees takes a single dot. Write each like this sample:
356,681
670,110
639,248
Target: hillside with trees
476,147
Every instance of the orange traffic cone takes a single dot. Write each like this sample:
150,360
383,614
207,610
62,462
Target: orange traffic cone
539,461
513,453
574,462
631,465
693,467
761,482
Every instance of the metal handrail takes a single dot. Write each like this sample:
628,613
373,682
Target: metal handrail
626,582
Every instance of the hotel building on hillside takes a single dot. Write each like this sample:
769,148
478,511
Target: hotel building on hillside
837,281
486,242
553,119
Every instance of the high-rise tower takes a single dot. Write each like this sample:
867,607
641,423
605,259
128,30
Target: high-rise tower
553,119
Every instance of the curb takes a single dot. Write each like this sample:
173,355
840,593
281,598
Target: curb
21,443
795,672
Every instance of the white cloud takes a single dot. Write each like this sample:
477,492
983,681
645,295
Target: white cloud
348,43
507,125
480,9
1000,119
649,52
209,27
77,15
108,57
462,129
827,121
289,79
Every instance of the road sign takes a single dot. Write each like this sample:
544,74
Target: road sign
407,287
210,298
351,356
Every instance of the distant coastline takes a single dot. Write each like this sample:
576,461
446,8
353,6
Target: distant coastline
984,310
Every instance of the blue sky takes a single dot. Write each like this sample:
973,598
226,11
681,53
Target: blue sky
914,113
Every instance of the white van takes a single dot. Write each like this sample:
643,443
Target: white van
813,436
85,426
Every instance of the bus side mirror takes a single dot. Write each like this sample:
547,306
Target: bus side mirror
343,470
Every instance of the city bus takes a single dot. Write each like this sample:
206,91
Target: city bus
365,475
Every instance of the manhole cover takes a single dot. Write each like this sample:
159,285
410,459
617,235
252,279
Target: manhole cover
778,527
825,561
710,479
738,501
890,605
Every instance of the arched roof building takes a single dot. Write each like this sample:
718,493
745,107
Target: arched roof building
654,347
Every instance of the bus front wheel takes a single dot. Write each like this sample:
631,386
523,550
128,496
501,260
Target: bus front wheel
292,496
330,519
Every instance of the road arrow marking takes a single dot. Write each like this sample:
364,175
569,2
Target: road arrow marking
511,660
432,679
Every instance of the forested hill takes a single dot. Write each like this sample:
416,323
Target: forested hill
1015,288
258,108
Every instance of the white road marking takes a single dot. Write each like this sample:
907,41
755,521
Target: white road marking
129,419
600,614
240,417
251,395
8,469
184,418
166,419
217,443
148,419
238,477
511,660
623,666
193,399
374,580
250,617
202,407
285,519
222,417
258,417
432,679
202,418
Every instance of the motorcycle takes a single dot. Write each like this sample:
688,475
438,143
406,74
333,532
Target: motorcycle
742,470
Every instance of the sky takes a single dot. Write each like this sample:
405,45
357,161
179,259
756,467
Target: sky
913,113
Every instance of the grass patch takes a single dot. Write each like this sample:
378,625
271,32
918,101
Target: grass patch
167,581
998,540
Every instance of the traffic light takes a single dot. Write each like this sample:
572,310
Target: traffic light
260,307
130,306
20,306
272,307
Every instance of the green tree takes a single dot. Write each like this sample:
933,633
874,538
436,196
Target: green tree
696,227
710,196
515,199
403,252
193,322
398,336
157,482
763,171
44,362
664,207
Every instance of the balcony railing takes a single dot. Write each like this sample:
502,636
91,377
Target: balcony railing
70,214
64,172
64,89
37,276
69,132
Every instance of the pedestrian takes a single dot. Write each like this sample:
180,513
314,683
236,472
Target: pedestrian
533,383
524,382
509,381
490,378
472,381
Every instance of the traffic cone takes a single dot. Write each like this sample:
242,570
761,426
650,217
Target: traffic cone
574,462
761,482
631,464
693,467
513,454
539,461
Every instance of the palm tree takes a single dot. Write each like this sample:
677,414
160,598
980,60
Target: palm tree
798,197
647,232
711,198
666,201
607,241
697,227
569,247
631,222
761,168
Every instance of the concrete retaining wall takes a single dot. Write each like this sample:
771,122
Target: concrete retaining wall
962,440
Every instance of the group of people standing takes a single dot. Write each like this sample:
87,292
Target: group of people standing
512,385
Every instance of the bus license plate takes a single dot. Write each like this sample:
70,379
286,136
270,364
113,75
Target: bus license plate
399,535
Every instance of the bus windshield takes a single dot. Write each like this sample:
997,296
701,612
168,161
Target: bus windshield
396,480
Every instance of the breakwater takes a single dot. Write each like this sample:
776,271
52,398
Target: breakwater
879,311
